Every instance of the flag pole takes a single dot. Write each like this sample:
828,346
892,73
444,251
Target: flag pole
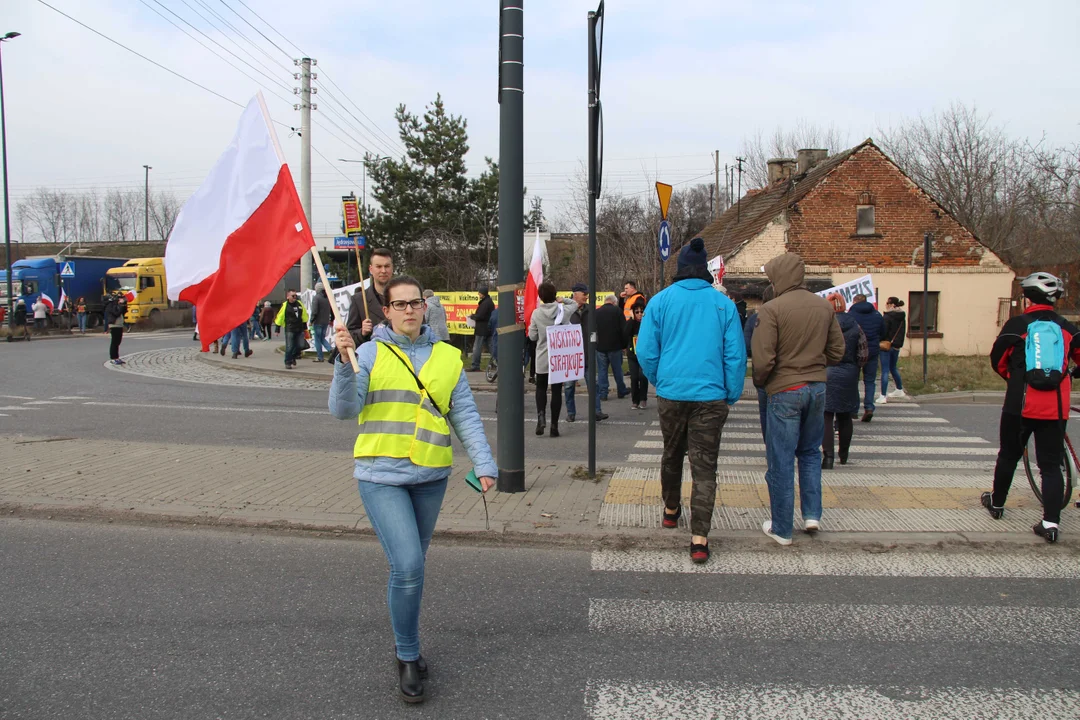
360,269
314,250
333,305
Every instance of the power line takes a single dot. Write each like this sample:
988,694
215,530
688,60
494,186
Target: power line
226,36
248,40
369,136
288,55
393,142
333,165
280,84
134,52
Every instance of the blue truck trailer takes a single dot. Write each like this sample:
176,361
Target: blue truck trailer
78,275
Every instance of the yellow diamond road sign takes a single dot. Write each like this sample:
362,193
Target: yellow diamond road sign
663,191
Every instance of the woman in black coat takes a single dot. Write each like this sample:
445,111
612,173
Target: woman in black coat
842,386
895,324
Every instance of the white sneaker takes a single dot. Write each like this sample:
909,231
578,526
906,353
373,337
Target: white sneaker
881,400
811,526
766,527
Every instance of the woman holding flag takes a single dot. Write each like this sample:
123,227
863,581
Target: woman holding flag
409,391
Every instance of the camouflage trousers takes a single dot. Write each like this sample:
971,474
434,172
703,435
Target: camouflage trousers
694,429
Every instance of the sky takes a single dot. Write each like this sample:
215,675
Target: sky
680,80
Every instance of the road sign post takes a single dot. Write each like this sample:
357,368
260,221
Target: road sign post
663,241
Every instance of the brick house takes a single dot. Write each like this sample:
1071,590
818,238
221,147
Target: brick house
857,213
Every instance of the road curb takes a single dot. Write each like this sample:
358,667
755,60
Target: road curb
510,535
976,397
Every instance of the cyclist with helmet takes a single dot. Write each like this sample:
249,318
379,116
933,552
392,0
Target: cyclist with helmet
1032,354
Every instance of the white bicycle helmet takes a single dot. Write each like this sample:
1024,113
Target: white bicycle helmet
1043,283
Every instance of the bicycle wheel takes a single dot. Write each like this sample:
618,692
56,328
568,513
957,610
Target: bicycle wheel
492,371
1035,480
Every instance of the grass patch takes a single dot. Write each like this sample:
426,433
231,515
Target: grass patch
949,373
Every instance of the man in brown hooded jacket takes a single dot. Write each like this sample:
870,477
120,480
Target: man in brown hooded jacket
796,338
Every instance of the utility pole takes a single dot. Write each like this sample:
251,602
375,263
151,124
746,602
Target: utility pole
146,205
738,211
305,107
595,19
716,185
7,215
928,247
511,426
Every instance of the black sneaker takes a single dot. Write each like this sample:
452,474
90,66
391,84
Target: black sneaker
571,417
995,512
1049,534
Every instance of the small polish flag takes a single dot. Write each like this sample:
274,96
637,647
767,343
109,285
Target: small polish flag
48,301
533,280
63,298
130,296
240,232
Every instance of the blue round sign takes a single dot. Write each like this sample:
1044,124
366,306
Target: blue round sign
664,240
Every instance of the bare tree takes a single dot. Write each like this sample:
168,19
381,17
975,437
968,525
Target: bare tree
164,209
758,149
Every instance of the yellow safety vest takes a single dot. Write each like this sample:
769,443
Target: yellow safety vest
401,421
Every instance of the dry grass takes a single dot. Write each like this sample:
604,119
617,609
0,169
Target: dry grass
949,373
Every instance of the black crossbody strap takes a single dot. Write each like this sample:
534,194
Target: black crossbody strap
416,377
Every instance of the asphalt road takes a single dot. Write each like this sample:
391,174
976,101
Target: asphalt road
145,408
106,621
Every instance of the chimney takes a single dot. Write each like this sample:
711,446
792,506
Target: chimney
808,158
780,169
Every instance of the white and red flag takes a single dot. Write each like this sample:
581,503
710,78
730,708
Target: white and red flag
47,300
63,297
533,279
240,232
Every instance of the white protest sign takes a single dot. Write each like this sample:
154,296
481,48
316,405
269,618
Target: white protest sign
858,286
566,353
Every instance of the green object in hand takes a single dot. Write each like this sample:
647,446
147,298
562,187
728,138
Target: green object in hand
473,481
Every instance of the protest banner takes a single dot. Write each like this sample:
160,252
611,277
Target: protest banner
566,353
460,305
858,286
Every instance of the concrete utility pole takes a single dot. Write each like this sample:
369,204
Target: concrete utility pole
511,432
146,205
7,216
305,108
738,210
716,186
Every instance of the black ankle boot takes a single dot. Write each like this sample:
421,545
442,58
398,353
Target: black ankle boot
843,457
541,423
554,427
412,688
826,461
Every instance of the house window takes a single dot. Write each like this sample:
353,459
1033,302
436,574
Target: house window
864,224
915,316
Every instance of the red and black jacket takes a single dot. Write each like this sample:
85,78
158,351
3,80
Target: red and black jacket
1008,360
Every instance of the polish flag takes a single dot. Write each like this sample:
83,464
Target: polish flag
48,301
533,280
240,232
130,295
63,298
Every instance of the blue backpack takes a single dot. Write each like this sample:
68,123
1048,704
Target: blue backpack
1044,353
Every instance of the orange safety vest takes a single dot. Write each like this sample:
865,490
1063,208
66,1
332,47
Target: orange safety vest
628,306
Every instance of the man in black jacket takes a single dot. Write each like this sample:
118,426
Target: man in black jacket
482,317
610,329
320,320
872,324
360,325
580,317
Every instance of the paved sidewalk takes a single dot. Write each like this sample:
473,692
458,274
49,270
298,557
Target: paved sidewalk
315,490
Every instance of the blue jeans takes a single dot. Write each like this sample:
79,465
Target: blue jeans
318,338
82,322
293,341
403,517
763,410
569,388
603,360
890,366
478,348
796,421
255,330
869,373
240,336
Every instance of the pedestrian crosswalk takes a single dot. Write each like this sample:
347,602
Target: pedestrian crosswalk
909,470
828,634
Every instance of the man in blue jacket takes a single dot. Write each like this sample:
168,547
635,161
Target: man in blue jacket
690,346
873,325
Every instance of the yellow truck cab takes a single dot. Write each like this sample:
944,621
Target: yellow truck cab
142,280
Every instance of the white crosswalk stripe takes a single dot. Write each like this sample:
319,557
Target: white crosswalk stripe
855,449
897,463
614,693
611,700
891,437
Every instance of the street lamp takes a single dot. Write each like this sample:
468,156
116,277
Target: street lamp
7,217
373,159
146,205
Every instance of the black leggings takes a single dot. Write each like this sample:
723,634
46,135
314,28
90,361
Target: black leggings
266,328
541,396
639,385
114,346
1049,435
846,430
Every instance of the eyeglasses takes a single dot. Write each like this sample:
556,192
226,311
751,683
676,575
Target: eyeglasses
400,305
